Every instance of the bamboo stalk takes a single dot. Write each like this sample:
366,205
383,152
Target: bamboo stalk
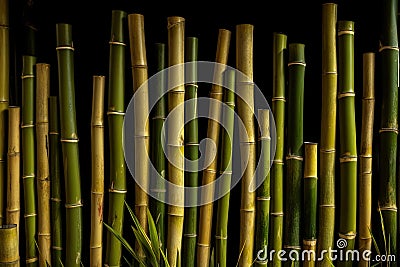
28,157
327,153
389,81
55,178
213,130
43,176
9,253
4,99
175,138
365,171
13,171
245,104
141,109
191,153
263,192
294,158
277,174
69,142
348,147
97,136
116,115
221,232
310,202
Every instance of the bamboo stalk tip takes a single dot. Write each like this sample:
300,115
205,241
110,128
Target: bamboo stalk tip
244,27
136,16
118,12
329,4
173,20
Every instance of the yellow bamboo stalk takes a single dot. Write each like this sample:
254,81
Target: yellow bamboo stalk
13,175
210,171
97,205
175,150
9,252
43,175
245,88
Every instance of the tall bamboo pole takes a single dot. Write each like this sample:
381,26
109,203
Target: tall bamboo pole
28,157
310,202
221,232
263,192
277,173
116,114
175,138
348,146
97,136
13,169
213,129
365,171
328,133
245,88
294,158
55,178
43,176
9,252
389,81
191,153
141,107
4,98
69,141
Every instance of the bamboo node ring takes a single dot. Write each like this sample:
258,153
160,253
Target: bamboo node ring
30,215
263,198
116,113
67,140
385,47
28,176
279,98
27,76
203,245
221,237
190,235
348,236
72,206
116,43
27,126
118,191
31,260
65,48
300,158
348,94
345,32
394,130
54,133
292,247
296,63
192,84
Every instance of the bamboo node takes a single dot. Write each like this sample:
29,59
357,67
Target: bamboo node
385,47
250,143
175,214
192,144
310,177
54,133
348,94
394,130
292,247
296,63
97,193
190,235
388,208
65,48
203,245
4,26
221,237
155,190
13,210
329,72
141,205
332,150
344,159
27,76
115,113
327,206
210,171
116,43
97,246
225,172
247,210
264,138
54,199
367,156
69,140
139,66
345,32
118,191
2,160
365,238
278,162
73,206
348,236
278,98
44,234
216,93
368,98
277,214
192,84
245,83
27,126
310,242
300,158
159,117
28,176
31,260
57,248
4,101
30,215
263,198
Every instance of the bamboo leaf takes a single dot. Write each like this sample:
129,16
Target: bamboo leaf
153,236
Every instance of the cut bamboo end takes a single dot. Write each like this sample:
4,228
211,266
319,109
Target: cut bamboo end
9,245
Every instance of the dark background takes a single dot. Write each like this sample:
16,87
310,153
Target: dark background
91,21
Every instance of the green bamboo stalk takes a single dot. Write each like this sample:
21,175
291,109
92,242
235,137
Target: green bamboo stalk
365,171
43,176
389,81
277,173
115,114
294,158
56,213
213,132
4,99
175,138
69,142
28,157
157,207
9,253
97,156
326,230
310,202
263,192
221,232
191,154
348,146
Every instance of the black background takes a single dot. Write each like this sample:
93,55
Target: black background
91,21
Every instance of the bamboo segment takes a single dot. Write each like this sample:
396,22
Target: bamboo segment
348,147
4,99
310,202
142,132
389,82
365,171
157,205
175,142
245,88
97,136
55,178
13,171
221,235
43,175
294,158
328,134
191,154
69,142
9,251
28,157
213,130
116,115
263,192
277,173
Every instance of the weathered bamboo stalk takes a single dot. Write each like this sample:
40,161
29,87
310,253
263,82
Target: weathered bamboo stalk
9,251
